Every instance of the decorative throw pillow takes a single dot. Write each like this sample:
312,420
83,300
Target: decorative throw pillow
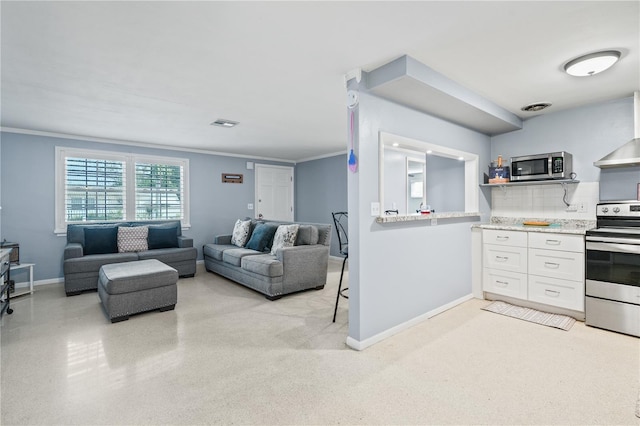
133,238
307,235
241,232
100,240
285,237
163,237
262,236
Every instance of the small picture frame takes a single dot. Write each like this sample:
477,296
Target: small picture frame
232,178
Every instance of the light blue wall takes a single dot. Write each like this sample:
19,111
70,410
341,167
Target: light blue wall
27,190
400,272
321,188
589,133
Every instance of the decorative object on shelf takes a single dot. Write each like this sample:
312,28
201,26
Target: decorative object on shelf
232,178
497,172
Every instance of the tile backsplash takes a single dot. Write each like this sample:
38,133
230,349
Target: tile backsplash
546,201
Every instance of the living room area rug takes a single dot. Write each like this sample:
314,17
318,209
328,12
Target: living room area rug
562,322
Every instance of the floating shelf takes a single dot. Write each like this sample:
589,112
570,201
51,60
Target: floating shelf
533,182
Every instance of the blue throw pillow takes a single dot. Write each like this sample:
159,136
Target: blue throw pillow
163,237
262,237
101,240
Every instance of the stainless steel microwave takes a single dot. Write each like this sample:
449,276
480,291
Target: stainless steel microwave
554,165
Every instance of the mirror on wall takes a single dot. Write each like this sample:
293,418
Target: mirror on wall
414,172
415,185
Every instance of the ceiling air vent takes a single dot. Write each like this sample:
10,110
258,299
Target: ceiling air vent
535,107
224,123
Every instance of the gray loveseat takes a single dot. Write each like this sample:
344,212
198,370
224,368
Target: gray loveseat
291,269
166,244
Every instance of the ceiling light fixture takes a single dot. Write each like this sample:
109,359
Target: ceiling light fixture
592,64
224,123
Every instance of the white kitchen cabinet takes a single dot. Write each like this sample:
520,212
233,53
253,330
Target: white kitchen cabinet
563,265
513,284
504,255
504,238
561,293
563,242
556,270
540,267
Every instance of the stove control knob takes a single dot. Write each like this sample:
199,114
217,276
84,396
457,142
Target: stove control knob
605,209
616,209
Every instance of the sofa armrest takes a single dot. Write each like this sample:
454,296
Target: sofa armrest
304,264
222,239
185,241
73,250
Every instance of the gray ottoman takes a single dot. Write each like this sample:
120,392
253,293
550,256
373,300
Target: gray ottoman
132,287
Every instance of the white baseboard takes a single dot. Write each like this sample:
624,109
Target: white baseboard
363,344
23,284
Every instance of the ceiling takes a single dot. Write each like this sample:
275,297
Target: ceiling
161,72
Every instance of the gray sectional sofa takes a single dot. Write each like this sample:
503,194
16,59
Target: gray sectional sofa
81,268
291,269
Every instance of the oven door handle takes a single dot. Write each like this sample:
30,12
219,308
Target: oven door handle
613,247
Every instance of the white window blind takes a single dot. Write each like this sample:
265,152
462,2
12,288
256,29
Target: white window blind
159,191
98,186
94,190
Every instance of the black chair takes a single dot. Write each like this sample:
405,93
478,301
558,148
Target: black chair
340,220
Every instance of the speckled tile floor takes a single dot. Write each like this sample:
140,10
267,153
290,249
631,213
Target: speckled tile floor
226,355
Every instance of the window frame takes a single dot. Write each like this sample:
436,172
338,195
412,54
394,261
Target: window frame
129,160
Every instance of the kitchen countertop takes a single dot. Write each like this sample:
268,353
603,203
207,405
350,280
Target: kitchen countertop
558,226
417,217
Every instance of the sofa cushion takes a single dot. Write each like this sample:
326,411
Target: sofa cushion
241,231
170,255
92,263
215,250
262,236
264,264
234,256
101,240
307,235
163,236
132,239
285,237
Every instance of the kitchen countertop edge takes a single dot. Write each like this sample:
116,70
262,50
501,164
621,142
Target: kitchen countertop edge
558,226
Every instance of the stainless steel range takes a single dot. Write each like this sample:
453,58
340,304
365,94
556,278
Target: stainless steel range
613,268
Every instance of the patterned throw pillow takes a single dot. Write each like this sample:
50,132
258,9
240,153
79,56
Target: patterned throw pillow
132,238
285,237
241,232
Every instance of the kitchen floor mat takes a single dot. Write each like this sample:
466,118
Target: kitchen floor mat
562,322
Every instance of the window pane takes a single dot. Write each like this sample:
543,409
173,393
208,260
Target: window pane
94,190
159,191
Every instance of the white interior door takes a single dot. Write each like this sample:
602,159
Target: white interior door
274,192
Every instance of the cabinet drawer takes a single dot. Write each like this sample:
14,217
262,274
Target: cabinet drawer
544,240
561,293
504,238
506,283
506,258
564,265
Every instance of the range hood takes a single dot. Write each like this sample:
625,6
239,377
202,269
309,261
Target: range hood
628,154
